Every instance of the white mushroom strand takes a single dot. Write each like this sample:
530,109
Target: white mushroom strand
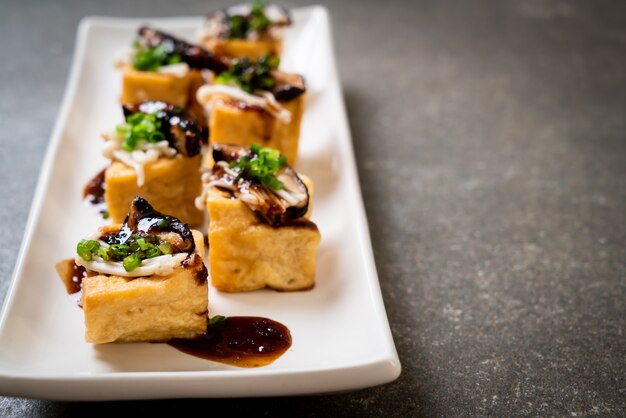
179,70
146,152
263,99
162,265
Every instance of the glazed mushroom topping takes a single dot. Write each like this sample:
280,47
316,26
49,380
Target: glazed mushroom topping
158,51
256,83
152,130
148,243
288,86
180,130
261,179
247,21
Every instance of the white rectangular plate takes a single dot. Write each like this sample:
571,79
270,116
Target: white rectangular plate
341,337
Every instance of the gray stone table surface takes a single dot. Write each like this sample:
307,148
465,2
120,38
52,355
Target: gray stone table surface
490,138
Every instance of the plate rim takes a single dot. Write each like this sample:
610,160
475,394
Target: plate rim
387,364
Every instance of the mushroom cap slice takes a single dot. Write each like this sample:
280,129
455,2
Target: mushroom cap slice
277,207
288,86
194,55
180,129
142,217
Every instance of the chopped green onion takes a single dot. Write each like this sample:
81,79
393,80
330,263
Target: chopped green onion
225,78
105,254
87,249
153,251
216,320
238,26
140,127
151,58
165,247
131,262
250,75
174,59
137,247
256,7
119,251
142,244
259,22
256,21
262,167
273,183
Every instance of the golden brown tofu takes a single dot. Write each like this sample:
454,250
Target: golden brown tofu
171,185
195,109
153,308
239,48
140,86
246,253
233,122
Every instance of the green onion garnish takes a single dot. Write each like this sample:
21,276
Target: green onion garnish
165,247
131,262
249,75
152,251
261,167
140,127
142,243
148,58
87,249
138,247
257,21
105,254
216,320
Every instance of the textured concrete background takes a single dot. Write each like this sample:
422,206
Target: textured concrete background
491,143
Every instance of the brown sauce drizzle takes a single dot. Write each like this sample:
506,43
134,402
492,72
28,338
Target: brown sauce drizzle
72,276
242,341
75,284
199,271
93,192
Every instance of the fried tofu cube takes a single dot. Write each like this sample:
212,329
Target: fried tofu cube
140,86
246,253
239,48
195,109
234,122
153,308
171,185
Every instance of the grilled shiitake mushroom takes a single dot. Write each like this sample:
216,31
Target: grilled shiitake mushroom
180,130
143,218
194,55
280,199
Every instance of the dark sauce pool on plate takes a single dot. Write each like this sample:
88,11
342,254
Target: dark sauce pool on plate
93,193
243,341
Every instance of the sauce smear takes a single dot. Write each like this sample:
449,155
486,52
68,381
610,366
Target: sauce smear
94,190
242,341
93,193
72,276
